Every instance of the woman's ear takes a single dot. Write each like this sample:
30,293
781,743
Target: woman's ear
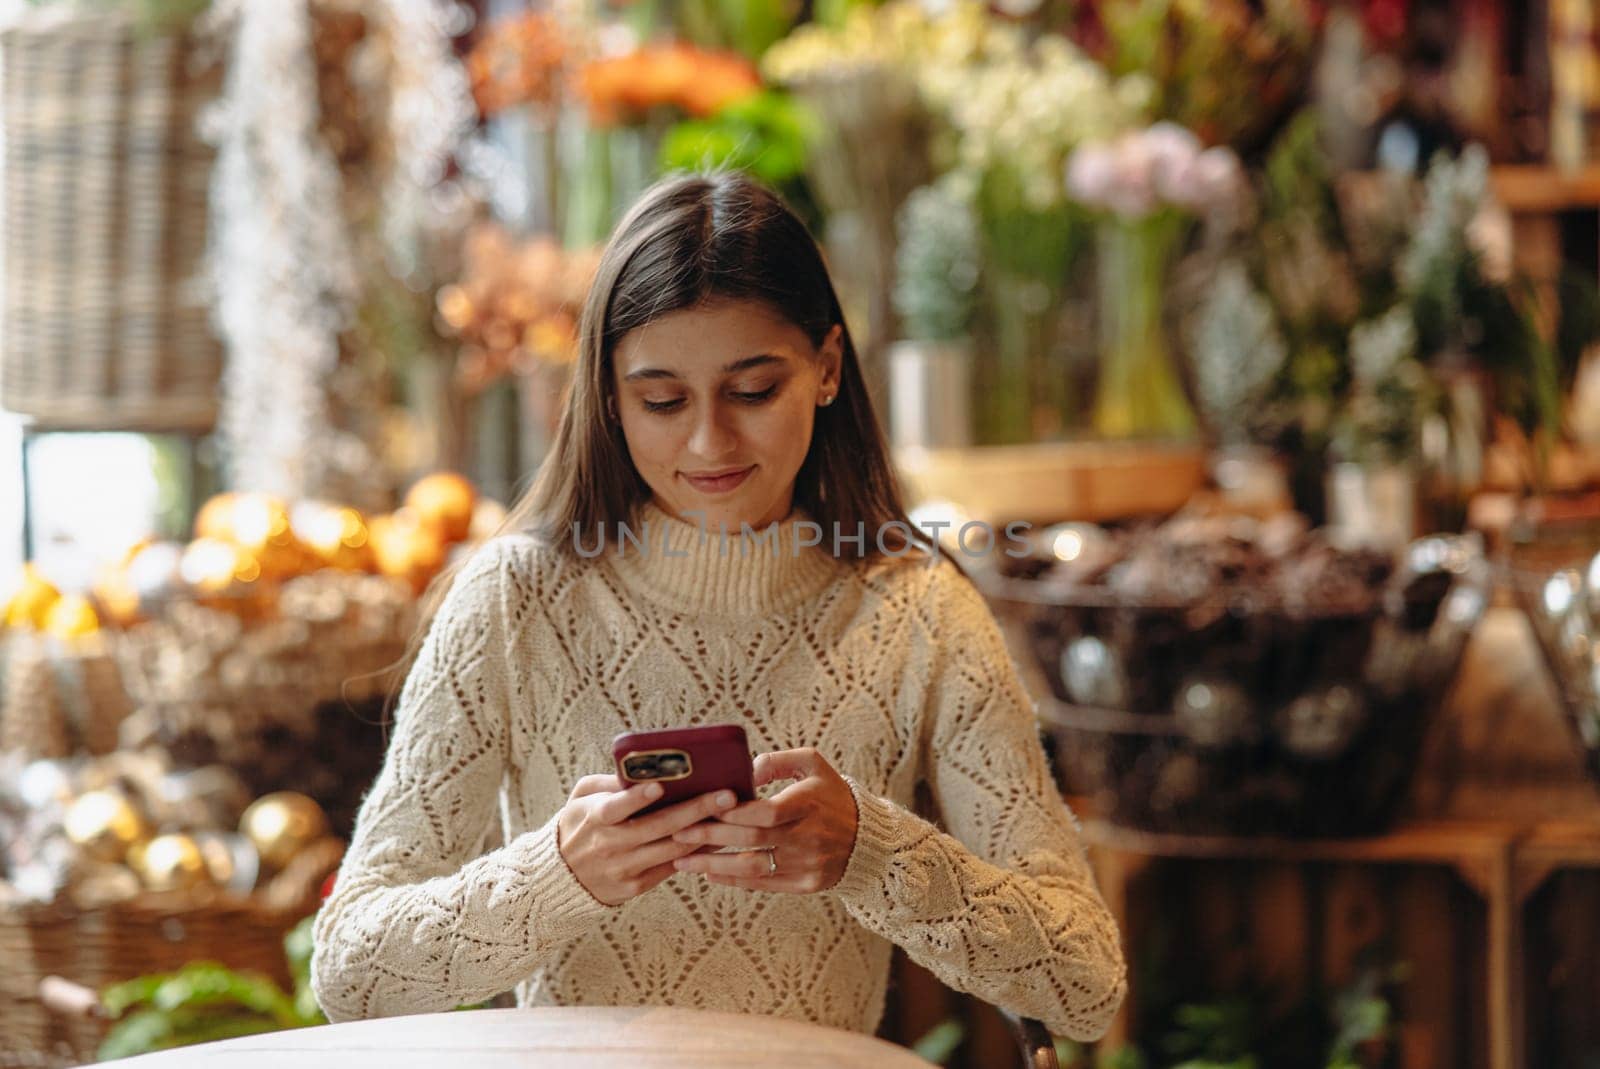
832,356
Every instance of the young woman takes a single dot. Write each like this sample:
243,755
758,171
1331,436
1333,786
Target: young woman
717,397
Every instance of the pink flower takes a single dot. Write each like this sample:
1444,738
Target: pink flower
1133,194
1220,174
1092,173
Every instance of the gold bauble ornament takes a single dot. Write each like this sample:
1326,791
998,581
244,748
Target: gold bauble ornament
215,518
336,537
224,576
115,597
31,603
71,616
104,824
280,824
406,549
261,527
231,860
213,566
443,503
172,862
257,524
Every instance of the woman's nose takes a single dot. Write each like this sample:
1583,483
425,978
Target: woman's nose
712,437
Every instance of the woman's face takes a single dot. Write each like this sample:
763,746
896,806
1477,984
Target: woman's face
717,404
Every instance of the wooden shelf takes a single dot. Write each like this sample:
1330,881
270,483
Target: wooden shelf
1048,482
1531,189
1462,843
1503,862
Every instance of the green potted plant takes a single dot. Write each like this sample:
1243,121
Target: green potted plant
937,270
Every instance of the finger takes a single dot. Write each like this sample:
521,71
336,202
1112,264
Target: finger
785,807
595,785
719,834
675,818
650,877
749,865
656,874
624,804
661,852
788,764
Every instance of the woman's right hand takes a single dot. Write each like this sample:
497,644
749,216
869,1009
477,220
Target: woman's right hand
617,858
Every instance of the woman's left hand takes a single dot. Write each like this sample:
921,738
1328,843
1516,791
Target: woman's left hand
809,828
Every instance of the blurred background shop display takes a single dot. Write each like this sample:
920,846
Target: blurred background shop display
1276,320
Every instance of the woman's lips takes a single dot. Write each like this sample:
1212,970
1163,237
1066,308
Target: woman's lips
718,484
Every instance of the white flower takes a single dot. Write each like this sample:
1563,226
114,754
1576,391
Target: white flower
1489,236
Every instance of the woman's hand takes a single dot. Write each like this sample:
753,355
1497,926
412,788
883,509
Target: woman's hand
617,858
810,828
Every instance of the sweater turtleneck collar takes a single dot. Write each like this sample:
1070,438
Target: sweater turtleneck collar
695,569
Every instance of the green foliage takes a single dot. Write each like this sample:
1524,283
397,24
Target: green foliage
152,16
767,135
1227,69
205,1001
940,1042
764,135
1340,267
201,1002
1217,1035
1035,243
747,26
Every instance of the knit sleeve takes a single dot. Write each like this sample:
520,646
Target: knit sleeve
415,923
1004,906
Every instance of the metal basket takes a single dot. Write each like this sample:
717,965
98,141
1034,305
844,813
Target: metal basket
1556,580
1233,717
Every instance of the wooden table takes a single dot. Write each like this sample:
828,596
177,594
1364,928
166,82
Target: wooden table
653,1037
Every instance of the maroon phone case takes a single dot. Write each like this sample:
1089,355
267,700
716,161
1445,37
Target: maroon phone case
719,757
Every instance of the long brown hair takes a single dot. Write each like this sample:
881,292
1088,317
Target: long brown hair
689,240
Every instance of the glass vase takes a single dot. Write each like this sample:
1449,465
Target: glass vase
1022,388
1139,393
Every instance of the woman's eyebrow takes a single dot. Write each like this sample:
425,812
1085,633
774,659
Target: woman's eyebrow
742,364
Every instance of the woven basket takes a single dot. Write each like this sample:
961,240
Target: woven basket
96,947
105,317
57,697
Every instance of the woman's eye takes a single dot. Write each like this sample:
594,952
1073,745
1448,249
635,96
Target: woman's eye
747,397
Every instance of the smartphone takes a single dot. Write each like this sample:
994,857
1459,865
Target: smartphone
686,762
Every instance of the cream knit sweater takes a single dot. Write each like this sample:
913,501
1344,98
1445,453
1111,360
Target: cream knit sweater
895,671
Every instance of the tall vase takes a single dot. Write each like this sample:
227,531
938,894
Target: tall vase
1022,387
1139,393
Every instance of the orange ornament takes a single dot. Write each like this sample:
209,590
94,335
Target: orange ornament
215,518
336,537
261,527
71,616
443,502
31,603
223,576
406,548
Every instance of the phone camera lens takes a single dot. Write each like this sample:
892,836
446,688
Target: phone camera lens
672,765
